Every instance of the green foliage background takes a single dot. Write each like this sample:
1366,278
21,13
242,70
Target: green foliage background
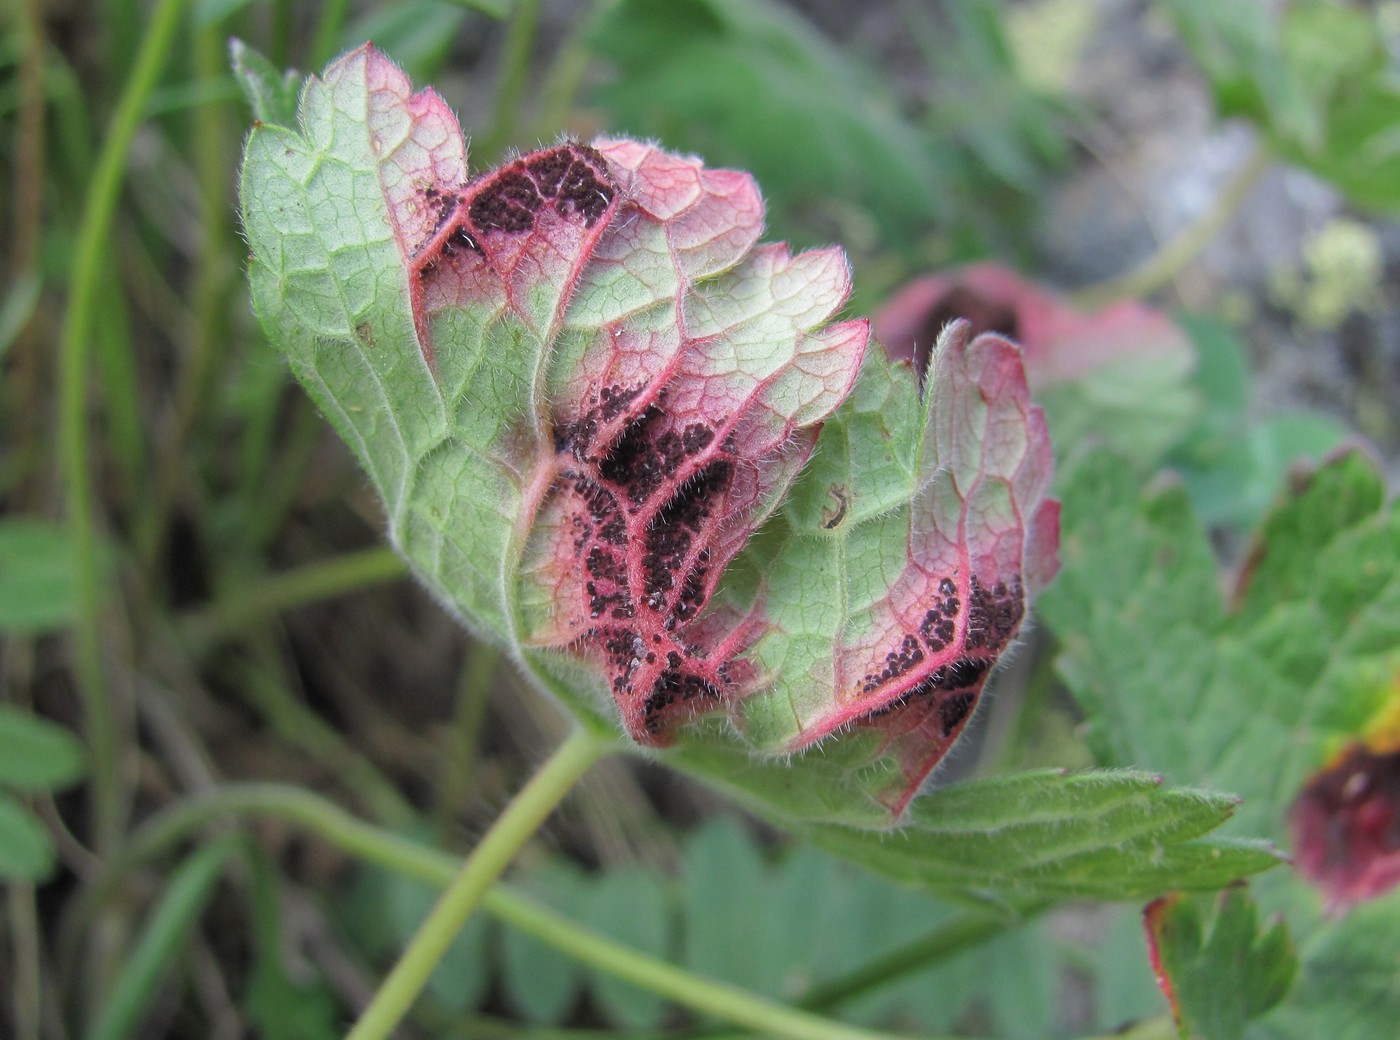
193,593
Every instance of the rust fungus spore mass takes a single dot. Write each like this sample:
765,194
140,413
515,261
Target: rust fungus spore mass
644,495
573,177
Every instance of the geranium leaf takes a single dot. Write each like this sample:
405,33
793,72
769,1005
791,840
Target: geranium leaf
1217,975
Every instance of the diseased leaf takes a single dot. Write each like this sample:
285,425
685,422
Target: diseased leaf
586,397
581,387
909,550
1217,983
1346,825
1117,375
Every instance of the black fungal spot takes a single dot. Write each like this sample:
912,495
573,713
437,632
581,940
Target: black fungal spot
897,662
993,614
962,673
508,203
459,241
549,169
585,191
574,176
696,438
952,711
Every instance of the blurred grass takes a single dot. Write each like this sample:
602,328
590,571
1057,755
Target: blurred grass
236,614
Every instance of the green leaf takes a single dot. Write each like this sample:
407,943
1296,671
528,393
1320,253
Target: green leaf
1218,976
629,904
36,576
37,755
161,944
1173,680
1318,79
271,94
541,983
460,978
1018,840
26,854
1123,984
1231,463
1346,988
1253,696
281,1005
726,882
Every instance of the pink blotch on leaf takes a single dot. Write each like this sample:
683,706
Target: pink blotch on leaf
1346,826
1060,342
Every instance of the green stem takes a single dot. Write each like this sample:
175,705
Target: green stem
947,940
1174,257
1152,1029
390,851
294,588
707,996
91,257
473,694
515,73
212,130
523,816
26,969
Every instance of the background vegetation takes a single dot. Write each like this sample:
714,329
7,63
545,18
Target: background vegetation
193,589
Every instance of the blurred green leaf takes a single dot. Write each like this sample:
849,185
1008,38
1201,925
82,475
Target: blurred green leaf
1252,697
418,33
35,754
1232,464
1346,988
272,94
1123,986
629,904
21,298
727,882
1014,131
162,942
1222,974
541,983
26,854
280,1006
460,978
1318,79
36,576
752,85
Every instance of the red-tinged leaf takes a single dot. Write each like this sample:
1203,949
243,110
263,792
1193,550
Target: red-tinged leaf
582,387
1061,343
982,541
699,369
887,618
1217,968
1346,826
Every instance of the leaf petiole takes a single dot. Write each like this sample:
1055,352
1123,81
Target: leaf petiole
522,817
